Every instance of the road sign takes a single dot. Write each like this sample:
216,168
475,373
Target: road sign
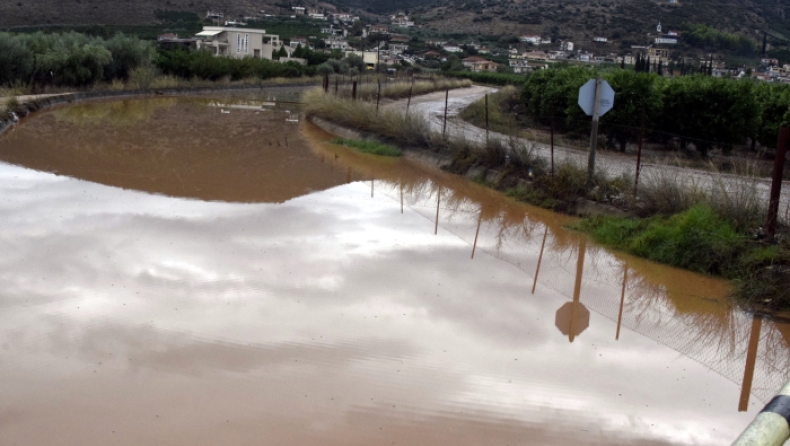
587,97
572,319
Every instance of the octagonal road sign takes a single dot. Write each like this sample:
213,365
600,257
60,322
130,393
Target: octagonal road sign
572,319
587,97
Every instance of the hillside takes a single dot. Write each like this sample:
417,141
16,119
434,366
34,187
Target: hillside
623,22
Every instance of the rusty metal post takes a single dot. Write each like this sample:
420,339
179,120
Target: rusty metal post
486,119
408,103
639,153
444,127
552,144
776,182
354,90
378,97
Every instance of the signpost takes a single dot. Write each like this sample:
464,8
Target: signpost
596,97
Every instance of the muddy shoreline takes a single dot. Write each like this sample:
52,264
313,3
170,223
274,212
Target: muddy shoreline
25,109
501,180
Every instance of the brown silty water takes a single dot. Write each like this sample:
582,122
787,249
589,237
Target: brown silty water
208,271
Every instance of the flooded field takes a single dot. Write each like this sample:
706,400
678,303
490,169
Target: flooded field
214,271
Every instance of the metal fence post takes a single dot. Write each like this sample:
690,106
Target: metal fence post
776,182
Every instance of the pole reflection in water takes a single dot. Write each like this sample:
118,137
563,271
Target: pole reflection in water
751,359
540,258
438,203
622,300
477,232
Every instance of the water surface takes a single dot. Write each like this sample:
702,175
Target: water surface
170,275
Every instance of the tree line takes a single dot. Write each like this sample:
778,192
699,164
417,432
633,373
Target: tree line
704,111
70,59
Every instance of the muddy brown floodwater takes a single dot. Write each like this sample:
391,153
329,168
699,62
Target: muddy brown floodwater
207,271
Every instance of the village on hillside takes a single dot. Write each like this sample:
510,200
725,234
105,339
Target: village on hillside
390,42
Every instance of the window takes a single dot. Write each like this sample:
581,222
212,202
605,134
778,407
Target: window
246,43
238,43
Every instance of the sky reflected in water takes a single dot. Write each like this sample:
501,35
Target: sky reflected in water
136,309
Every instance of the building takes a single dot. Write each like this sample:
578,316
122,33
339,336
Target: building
452,48
336,43
600,39
401,38
629,59
519,66
172,41
655,54
300,10
666,40
558,55
536,55
300,40
476,64
377,29
238,42
398,47
533,39
566,46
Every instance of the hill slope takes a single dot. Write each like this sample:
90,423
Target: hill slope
626,21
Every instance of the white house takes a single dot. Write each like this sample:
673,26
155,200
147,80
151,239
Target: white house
666,40
238,42
566,46
452,48
533,39
600,39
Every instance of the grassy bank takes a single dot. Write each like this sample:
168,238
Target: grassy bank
711,229
702,240
370,147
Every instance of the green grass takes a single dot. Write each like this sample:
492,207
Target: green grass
370,147
696,239
699,239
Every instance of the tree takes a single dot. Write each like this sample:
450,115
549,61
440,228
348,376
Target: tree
298,52
325,69
355,61
16,59
709,111
635,94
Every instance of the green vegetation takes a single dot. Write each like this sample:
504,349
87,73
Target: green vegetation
203,65
70,59
701,240
371,147
710,38
701,110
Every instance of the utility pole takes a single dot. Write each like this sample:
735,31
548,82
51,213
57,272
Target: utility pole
594,131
